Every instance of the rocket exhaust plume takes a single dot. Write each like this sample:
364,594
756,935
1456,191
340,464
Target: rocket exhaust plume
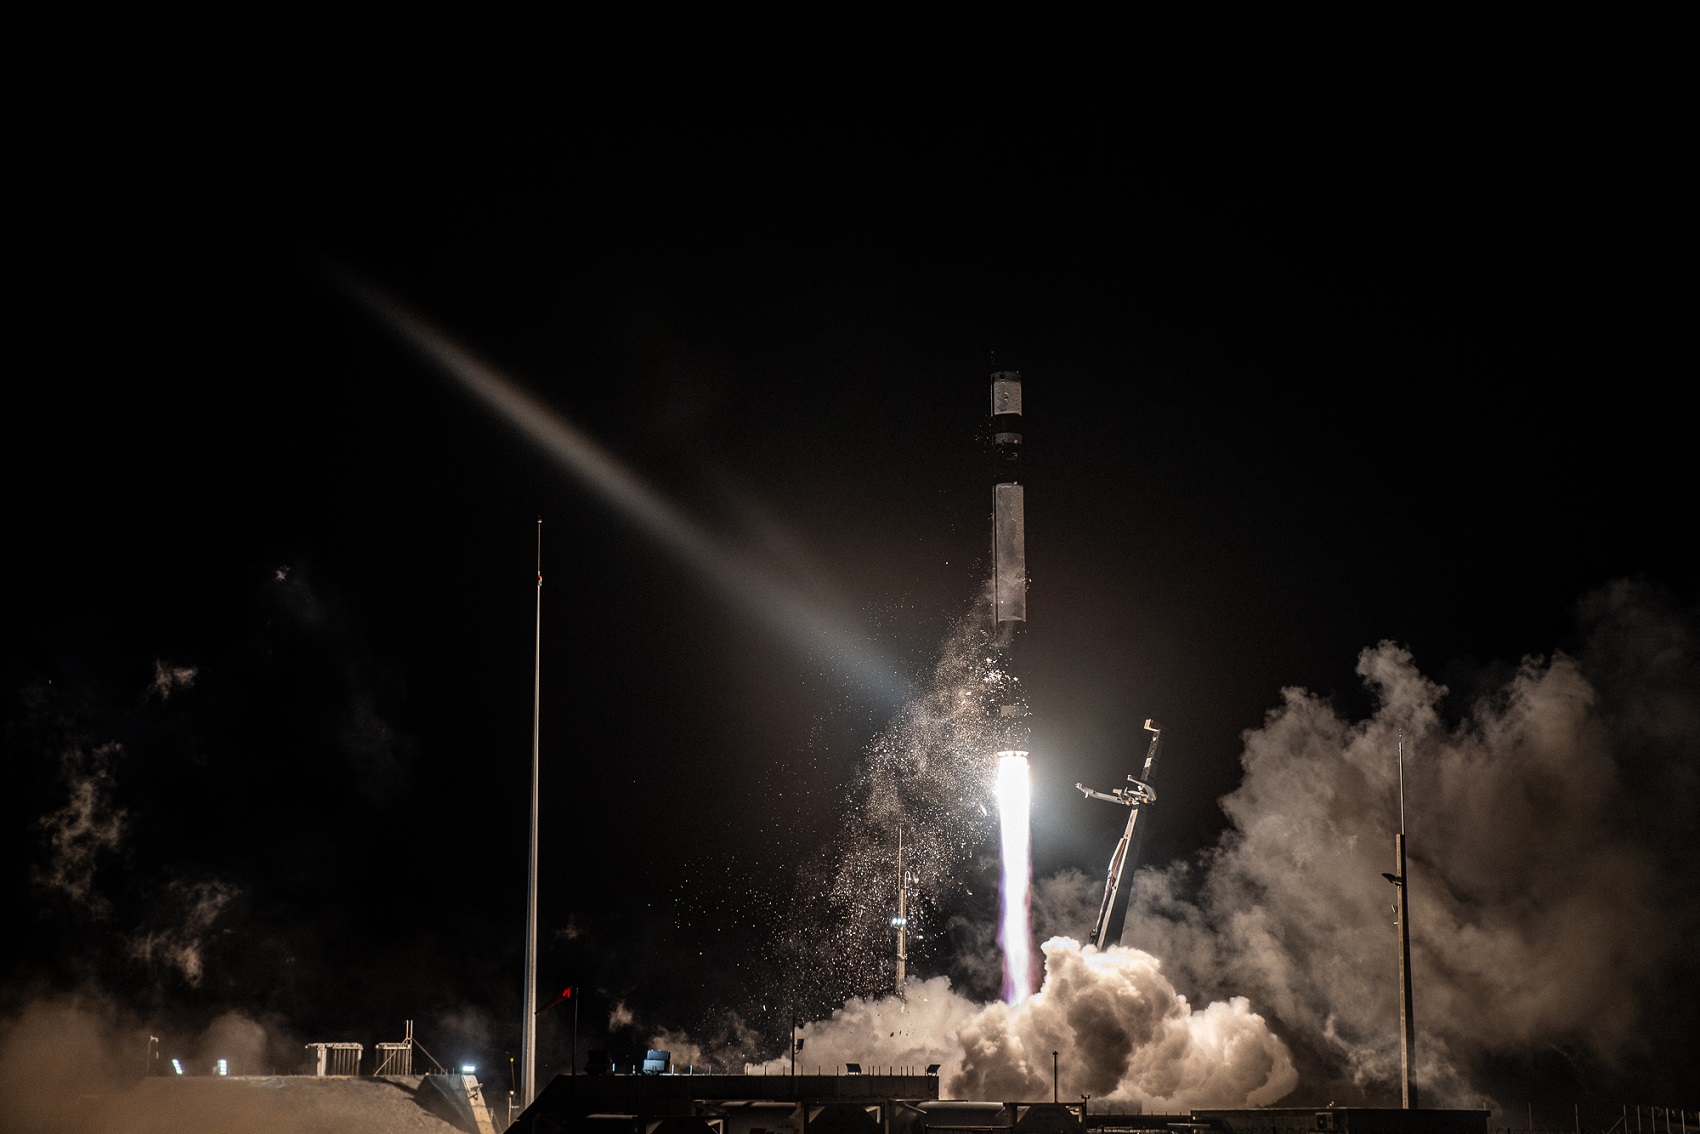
1014,932
1125,1035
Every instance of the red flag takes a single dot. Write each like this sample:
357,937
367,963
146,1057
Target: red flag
565,994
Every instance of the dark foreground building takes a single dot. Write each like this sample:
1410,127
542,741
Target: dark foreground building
907,1104
729,1104
257,1104
1343,1120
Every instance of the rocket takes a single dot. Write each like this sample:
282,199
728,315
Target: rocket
1008,705
1009,552
1009,536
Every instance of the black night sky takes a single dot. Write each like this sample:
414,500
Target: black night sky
1330,335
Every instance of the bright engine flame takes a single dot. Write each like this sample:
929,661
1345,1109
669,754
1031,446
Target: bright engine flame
1014,934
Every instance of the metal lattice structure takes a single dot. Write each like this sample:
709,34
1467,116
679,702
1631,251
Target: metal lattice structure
1107,930
336,1058
396,1058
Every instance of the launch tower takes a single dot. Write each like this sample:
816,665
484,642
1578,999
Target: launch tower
1112,910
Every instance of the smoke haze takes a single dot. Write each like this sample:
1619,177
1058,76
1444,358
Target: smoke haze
169,677
71,1059
1549,909
1546,805
179,945
1121,1033
89,826
929,774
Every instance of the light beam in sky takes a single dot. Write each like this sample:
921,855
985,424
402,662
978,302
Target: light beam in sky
1014,933
576,453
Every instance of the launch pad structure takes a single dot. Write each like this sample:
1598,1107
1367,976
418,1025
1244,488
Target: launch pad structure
1112,910
856,1103
659,1102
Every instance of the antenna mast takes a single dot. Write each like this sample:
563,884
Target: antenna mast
1407,1019
901,921
528,1040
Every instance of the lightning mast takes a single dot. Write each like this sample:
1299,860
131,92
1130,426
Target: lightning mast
528,1034
1407,1019
901,921
1108,929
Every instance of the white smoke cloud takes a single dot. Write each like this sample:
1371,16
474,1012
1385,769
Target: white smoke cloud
74,1063
913,1031
180,947
1548,810
1122,1034
169,678
1544,904
729,1048
238,1039
1120,1030
58,1052
89,825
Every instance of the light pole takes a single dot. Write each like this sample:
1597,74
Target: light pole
528,1043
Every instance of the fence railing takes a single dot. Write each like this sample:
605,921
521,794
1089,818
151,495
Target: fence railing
1589,1118
335,1058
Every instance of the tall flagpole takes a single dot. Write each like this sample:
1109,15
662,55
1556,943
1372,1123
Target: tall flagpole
528,1064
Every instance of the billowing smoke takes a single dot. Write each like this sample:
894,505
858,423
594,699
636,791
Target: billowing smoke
910,1032
1120,1031
241,1041
92,829
1124,1035
169,677
730,1047
1552,910
76,1063
179,944
87,828
59,1052
1549,908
